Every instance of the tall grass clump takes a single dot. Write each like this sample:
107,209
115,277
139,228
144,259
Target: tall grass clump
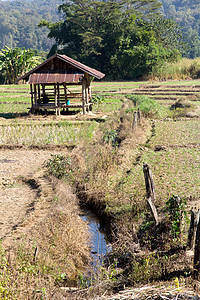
185,68
149,107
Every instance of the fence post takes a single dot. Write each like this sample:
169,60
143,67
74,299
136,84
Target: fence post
150,189
139,115
193,226
197,253
134,120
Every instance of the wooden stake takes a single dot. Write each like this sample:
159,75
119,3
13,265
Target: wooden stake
139,115
193,226
150,189
197,253
134,120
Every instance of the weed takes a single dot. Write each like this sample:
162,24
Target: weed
176,208
59,166
111,136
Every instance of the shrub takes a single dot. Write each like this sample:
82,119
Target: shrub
59,166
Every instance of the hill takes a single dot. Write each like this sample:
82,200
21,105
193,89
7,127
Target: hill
19,23
187,14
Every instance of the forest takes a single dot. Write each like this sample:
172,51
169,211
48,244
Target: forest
19,22
124,39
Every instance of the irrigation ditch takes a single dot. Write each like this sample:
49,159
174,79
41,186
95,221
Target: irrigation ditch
145,249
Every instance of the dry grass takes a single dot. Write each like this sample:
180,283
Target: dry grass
51,255
183,69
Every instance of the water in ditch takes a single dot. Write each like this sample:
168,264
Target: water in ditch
99,244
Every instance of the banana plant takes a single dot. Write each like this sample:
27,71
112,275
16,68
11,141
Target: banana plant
16,62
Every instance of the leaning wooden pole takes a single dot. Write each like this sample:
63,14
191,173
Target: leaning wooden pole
197,253
193,227
150,190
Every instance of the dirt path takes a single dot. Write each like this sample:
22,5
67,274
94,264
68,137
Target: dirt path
24,192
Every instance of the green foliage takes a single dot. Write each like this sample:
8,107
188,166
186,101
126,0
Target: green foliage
16,62
19,23
109,36
148,106
111,136
59,166
176,208
98,99
187,14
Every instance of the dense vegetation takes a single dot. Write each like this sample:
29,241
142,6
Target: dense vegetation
124,39
187,14
19,23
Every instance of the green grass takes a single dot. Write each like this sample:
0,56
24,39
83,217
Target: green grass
42,134
180,133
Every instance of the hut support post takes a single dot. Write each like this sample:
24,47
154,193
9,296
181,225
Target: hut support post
55,99
90,97
39,97
31,92
87,98
83,96
35,94
58,89
65,93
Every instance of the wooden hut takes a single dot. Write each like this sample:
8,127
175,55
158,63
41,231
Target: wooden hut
51,84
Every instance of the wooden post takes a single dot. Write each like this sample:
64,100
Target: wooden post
197,253
134,120
35,94
65,94
150,189
55,99
139,115
31,89
90,97
193,226
58,102
86,98
83,95
39,98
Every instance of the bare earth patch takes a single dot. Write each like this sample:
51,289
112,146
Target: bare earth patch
22,184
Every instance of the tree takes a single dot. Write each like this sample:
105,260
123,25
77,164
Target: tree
16,62
114,36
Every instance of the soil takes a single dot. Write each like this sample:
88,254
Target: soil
25,193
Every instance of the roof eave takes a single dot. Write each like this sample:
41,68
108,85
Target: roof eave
73,63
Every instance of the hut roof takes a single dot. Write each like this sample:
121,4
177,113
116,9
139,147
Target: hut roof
62,71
